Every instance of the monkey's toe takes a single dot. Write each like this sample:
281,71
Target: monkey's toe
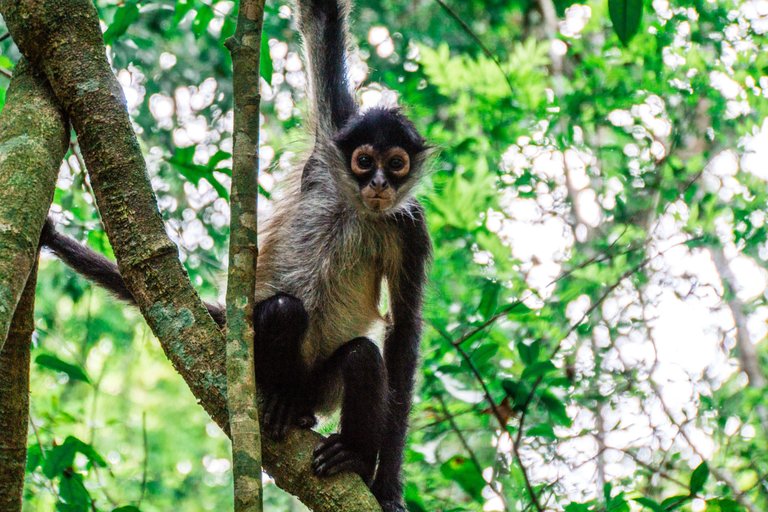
333,456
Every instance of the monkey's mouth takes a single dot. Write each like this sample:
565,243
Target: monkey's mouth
378,201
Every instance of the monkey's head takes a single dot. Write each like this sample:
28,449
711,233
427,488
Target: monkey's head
384,157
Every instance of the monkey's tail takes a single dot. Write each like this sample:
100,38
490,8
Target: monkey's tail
97,268
85,261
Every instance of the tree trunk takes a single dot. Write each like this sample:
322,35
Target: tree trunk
33,140
245,47
14,399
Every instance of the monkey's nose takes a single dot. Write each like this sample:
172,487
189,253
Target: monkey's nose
379,183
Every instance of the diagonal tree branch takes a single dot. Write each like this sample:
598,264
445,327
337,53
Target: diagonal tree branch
33,140
245,47
63,38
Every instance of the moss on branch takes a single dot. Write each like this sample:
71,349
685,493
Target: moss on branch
33,140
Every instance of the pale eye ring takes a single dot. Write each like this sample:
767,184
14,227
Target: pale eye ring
398,162
363,160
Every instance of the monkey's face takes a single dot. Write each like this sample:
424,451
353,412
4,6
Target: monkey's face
379,173
383,159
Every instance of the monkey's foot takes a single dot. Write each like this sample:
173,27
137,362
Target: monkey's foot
333,456
281,413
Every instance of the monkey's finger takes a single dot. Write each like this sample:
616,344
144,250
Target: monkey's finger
327,449
343,461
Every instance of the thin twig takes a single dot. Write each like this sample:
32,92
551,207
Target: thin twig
145,444
598,258
471,33
470,452
499,418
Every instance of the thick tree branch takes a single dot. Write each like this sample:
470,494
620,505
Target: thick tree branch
245,47
14,399
33,140
63,38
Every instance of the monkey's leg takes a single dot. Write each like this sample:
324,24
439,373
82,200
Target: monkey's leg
363,411
280,323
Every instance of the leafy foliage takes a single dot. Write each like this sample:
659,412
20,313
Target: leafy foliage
579,347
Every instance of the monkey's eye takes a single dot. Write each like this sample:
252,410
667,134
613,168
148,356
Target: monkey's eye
364,161
396,163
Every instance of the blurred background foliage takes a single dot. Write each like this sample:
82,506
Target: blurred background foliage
596,319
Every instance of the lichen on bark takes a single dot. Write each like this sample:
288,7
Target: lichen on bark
14,399
244,425
33,140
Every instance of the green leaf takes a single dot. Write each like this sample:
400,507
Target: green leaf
537,369
699,478
723,505
128,508
483,354
674,502
266,68
463,472
528,353
72,491
555,407
63,456
626,16
542,430
58,459
649,503
490,299
204,16
34,457
123,19
517,391
52,362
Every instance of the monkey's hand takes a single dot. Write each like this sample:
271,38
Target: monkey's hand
281,413
333,456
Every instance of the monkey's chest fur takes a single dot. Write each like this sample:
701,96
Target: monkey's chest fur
333,258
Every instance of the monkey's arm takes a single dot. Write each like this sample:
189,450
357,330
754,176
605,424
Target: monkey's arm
323,25
97,268
401,351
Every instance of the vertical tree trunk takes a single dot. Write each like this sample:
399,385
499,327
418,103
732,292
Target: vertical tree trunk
14,399
33,140
245,47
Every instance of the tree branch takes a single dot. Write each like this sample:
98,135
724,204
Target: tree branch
33,140
245,47
64,39
14,399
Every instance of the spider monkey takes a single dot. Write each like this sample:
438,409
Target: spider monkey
347,223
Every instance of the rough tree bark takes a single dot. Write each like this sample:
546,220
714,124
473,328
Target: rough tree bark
63,38
33,140
245,47
14,398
